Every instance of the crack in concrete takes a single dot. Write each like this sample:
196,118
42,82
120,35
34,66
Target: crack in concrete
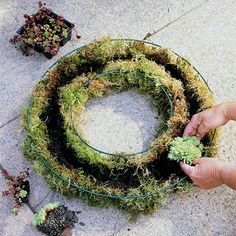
42,200
31,208
10,121
150,34
117,220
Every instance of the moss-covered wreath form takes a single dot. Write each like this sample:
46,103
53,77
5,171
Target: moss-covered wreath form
55,143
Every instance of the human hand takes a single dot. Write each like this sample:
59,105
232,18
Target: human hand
201,123
206,173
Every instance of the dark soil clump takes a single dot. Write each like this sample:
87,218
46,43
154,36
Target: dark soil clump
57,221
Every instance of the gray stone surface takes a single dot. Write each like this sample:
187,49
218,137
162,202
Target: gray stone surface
93,19
119,123
206,35
12,159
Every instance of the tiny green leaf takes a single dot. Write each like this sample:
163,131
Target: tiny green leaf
23,193
52,21
65,33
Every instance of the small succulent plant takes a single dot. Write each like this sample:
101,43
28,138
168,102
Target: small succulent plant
185,149
42,30
42,214
18,186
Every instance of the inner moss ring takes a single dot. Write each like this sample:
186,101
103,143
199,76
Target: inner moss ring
86,86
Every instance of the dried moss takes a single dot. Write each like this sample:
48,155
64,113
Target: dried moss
99,57
150,81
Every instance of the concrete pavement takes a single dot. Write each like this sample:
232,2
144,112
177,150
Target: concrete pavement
201,30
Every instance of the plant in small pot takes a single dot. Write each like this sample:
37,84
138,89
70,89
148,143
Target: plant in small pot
43,32
18,186
55,219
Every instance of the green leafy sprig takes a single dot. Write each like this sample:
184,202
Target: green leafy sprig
185,149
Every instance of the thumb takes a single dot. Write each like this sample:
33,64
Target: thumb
187,169
197,161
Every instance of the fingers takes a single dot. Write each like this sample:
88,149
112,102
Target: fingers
205,173
191,128
201,131
196,126
187,169
197,161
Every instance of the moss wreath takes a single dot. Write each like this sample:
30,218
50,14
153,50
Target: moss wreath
136,182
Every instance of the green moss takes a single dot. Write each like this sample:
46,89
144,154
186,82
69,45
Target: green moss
148,78
98,57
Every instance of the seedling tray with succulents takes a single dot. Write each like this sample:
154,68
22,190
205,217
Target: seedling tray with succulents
62,41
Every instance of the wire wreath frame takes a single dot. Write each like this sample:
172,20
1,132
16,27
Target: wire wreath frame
71,183
87,84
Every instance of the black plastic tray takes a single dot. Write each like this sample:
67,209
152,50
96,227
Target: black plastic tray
62,41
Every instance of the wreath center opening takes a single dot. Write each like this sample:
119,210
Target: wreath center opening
124,122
